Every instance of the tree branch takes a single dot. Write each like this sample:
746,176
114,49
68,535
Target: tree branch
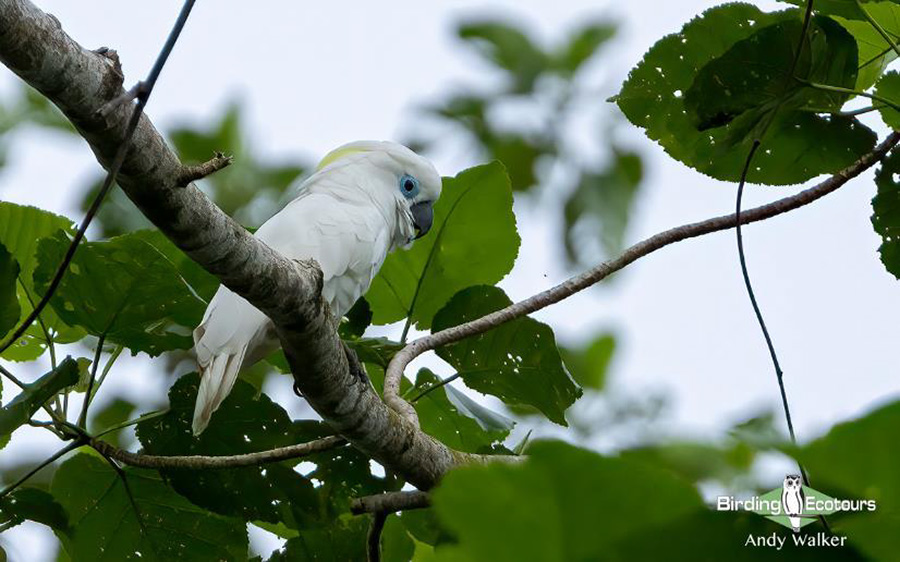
395,369
198,462
81,82
390,502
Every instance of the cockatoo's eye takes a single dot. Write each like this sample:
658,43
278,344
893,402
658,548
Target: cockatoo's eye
409,186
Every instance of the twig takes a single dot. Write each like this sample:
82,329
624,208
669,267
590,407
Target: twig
217,462
143,96
434,387
373,538
82,418
596,274
199,171
390,502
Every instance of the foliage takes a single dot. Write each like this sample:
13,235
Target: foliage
733,77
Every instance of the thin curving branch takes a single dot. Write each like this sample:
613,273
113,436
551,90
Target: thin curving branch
197,462
394,372
390,502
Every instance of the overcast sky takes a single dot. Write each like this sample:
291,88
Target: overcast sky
312,76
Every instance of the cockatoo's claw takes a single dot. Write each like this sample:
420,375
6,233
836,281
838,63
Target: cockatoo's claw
356,367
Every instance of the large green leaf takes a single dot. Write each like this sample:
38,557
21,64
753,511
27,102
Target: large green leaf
575,505
798,144
886,212
125,289
9,303
856,460
752,80
473,240
107,528
21,229
440,418
22,407
518,361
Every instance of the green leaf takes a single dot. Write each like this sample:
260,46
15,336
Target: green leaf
9,303
439,418
22,407
599,208
107,524
518,361
590,363
21,229
357,319
33,504
473,240
798,145
875,54
509,48
886,212
125,289
888,87
843,8
203,283
854,461
118,411
242,424
578,505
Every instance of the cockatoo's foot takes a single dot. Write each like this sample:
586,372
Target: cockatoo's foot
356,367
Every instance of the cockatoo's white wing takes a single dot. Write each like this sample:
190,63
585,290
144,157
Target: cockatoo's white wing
349,238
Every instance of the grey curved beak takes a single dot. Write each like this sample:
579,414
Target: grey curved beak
423,217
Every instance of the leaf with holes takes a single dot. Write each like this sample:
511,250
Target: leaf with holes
160,525
886,212
125,289
473,240
21,229
798,144
517,361
242,424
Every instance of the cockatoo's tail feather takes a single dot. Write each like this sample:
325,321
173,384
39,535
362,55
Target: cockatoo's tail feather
364,200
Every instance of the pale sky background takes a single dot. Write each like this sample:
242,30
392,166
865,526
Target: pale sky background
312,76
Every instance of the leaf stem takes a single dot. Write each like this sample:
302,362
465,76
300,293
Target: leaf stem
838,89
82,418
435,386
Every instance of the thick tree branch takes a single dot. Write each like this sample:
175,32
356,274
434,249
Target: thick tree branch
390,502
212,462
81,82
596,274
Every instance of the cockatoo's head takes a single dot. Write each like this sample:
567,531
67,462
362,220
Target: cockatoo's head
394,177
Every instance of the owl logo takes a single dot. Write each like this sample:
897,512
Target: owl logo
792,500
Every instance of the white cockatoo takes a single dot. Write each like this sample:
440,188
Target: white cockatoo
365,199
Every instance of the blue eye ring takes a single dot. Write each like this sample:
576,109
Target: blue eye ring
409,186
